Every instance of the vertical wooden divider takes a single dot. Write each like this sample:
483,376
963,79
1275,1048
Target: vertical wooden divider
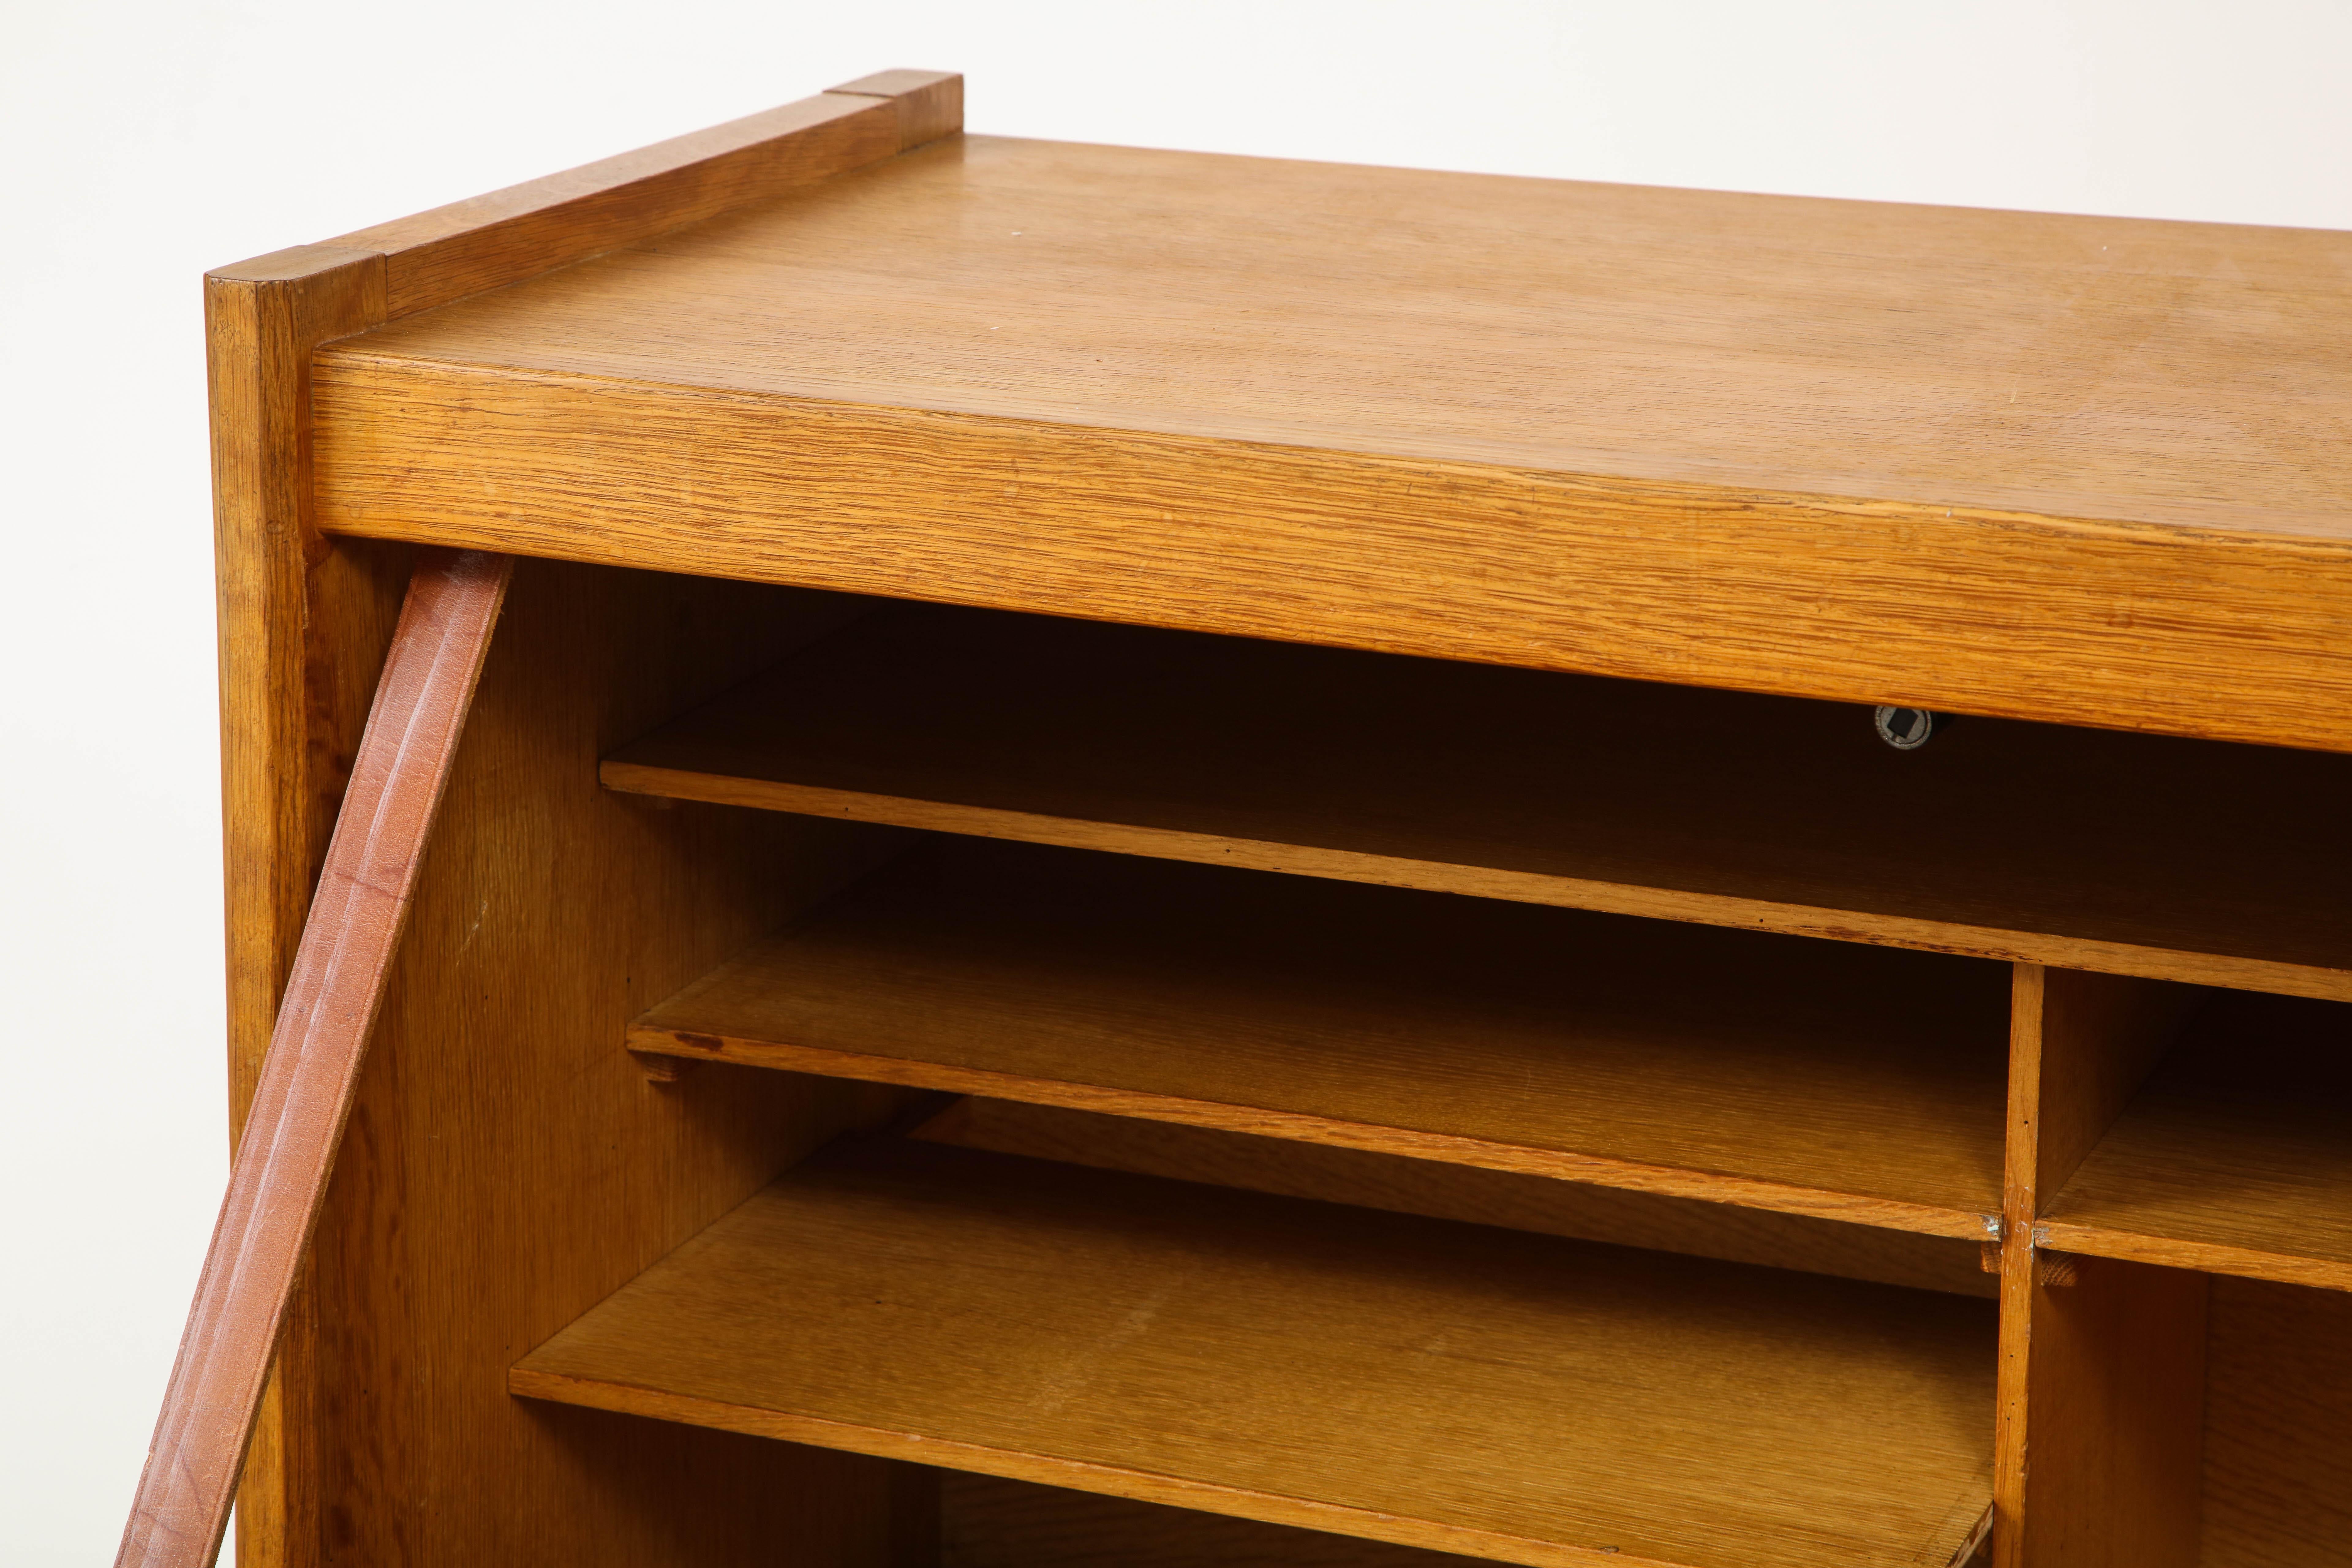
2101,1386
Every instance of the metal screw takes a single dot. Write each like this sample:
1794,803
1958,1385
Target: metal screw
1908,729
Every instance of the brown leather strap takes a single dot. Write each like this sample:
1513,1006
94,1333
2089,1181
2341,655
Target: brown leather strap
305,1093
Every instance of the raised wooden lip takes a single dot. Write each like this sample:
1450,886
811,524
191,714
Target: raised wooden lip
488,241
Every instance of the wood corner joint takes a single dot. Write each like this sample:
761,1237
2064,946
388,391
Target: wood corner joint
2053,1269
660,1068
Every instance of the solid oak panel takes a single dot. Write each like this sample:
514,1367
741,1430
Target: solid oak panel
1847,1082
488,241
304,622
2102,1361
294,1124
2000,839
504,1168
1441,1191
2069,469
2278,1427
1439,1385
303,628
2236,1158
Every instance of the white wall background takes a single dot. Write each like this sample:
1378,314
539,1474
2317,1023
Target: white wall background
143,142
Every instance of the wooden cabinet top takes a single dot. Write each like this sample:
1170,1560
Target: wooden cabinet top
2192,375
2084,469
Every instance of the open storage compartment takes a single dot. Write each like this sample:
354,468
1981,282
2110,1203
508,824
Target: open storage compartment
1522,1398
2135,854
1811,1078
2236,1158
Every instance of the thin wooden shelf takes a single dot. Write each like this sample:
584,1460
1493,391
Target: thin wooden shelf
2236,1158
1813,1078
1999,840
1433,1384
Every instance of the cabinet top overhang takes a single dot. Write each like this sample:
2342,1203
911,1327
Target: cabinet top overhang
2196,375
2089,470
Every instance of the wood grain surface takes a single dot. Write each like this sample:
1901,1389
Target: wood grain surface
2000,840
489,241
295,1123
929,104
1847,1082
2067,468
1438,1189
2278,1427
506,1167
1430,1385
2236,1158
303,627
2101,1385
304,621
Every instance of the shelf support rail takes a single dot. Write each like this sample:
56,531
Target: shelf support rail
340,969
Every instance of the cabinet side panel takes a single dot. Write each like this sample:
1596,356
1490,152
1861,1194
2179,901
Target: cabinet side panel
302,627
508,1163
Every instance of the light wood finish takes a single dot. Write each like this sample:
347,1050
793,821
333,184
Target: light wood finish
2102,1363
1444,1386
2278,1427
303,630
1999,840
2010,466
1442,1191
2065,468
505,1168
2236,1158
1845,1082
996,1523
305,621
296,1119
489,241
929,103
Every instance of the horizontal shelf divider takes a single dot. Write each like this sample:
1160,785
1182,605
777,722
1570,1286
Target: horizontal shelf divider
1435,1384
2236,1156
1842,1082
2135,854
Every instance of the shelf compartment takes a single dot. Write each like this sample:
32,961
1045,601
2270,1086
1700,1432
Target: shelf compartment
2236,1156
1811,1078
1437,1189
1428,1383
2134,854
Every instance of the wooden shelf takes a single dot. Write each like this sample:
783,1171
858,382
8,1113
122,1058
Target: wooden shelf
2138,854
1432,1384
2236,1158
1437,1189
1813,1078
